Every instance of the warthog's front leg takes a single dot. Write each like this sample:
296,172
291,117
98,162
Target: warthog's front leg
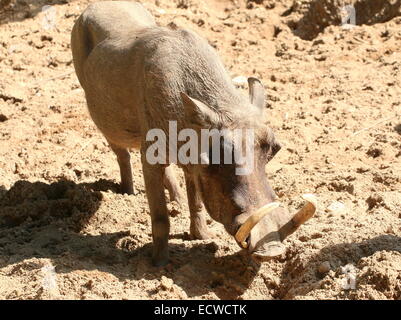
198,228
153,175
124,161
171,184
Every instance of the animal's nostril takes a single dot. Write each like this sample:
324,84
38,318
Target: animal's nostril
257,258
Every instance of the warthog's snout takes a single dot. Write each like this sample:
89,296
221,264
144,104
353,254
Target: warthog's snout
264,230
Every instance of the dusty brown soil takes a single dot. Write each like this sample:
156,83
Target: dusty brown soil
334,101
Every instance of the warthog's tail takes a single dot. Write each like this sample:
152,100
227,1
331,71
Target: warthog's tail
81,45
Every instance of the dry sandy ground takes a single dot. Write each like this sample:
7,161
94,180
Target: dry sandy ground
334,101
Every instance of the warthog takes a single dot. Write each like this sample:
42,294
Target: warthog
138,76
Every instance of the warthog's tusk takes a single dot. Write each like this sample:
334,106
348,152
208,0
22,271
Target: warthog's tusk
299,218
244,231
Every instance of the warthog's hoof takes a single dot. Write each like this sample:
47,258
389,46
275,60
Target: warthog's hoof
160,262
201,234
127,190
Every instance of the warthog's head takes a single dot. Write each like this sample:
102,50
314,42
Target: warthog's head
237,193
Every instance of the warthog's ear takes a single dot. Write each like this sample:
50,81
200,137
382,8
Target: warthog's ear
256,93
199,113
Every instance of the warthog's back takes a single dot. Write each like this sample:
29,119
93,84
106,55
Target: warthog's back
105,20
101,22
133,78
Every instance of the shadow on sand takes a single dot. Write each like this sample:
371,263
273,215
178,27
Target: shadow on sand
39,220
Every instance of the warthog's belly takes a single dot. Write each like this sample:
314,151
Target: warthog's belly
118,124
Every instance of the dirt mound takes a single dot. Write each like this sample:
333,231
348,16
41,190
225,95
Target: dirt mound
15,10
380,276
365,270
312,17
376,11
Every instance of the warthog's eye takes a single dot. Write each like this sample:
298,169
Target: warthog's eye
265,146
270,149
276,148
266,149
